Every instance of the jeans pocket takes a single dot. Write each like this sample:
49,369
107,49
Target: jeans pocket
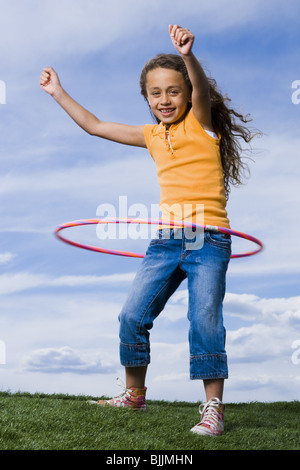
218,239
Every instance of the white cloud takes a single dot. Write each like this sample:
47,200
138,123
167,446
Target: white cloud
6,257
276,311
89,180
55,28
17,282
11,283
259,343
263,348
50,28
66,359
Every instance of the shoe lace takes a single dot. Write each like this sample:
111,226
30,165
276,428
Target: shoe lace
123,386
210,412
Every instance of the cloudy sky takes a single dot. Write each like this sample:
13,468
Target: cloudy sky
59,305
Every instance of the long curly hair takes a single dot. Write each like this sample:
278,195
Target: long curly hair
226,121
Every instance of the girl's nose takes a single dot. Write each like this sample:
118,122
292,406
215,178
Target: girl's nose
165,99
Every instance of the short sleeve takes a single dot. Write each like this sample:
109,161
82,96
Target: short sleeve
148,129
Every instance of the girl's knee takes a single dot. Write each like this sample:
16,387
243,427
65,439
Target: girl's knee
129,326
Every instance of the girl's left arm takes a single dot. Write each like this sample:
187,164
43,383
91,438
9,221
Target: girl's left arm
183,40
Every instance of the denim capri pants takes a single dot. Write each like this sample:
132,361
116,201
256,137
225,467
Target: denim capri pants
168,261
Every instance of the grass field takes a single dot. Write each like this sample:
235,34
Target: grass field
63,422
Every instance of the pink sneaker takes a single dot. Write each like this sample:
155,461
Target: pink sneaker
133,398
212,418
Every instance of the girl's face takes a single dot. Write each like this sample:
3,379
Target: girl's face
167,95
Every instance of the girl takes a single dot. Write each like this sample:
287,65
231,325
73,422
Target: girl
197,155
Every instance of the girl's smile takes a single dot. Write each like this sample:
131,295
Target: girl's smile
167,94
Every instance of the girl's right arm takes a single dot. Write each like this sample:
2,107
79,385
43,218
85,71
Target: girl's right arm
121,133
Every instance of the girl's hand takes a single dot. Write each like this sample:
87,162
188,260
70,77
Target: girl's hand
182,39
49,81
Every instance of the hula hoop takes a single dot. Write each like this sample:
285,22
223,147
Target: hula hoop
78,223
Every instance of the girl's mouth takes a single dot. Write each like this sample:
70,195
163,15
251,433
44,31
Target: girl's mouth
167,111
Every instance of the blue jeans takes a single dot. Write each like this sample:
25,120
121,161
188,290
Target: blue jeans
166,264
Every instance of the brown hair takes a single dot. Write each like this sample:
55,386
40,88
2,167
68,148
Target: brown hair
226,121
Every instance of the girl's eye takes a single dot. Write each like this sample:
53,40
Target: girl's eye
173,92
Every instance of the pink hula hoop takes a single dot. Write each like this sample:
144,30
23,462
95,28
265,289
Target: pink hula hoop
78,223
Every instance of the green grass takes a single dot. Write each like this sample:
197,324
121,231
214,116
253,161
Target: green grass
63,422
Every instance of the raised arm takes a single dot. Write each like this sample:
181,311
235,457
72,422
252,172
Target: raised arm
183,41
121,133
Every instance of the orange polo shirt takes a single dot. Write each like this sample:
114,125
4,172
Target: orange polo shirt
189,172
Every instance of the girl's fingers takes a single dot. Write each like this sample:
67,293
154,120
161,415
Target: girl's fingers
48,72
184,36
180,35
44,77
48,69
174,30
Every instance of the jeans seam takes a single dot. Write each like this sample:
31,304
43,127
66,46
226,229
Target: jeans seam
134,345
221,375
207,355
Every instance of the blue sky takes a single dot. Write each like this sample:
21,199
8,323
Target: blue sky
59,304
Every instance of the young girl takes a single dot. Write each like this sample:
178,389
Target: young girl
197,155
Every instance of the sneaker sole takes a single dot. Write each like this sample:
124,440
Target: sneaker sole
203,432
